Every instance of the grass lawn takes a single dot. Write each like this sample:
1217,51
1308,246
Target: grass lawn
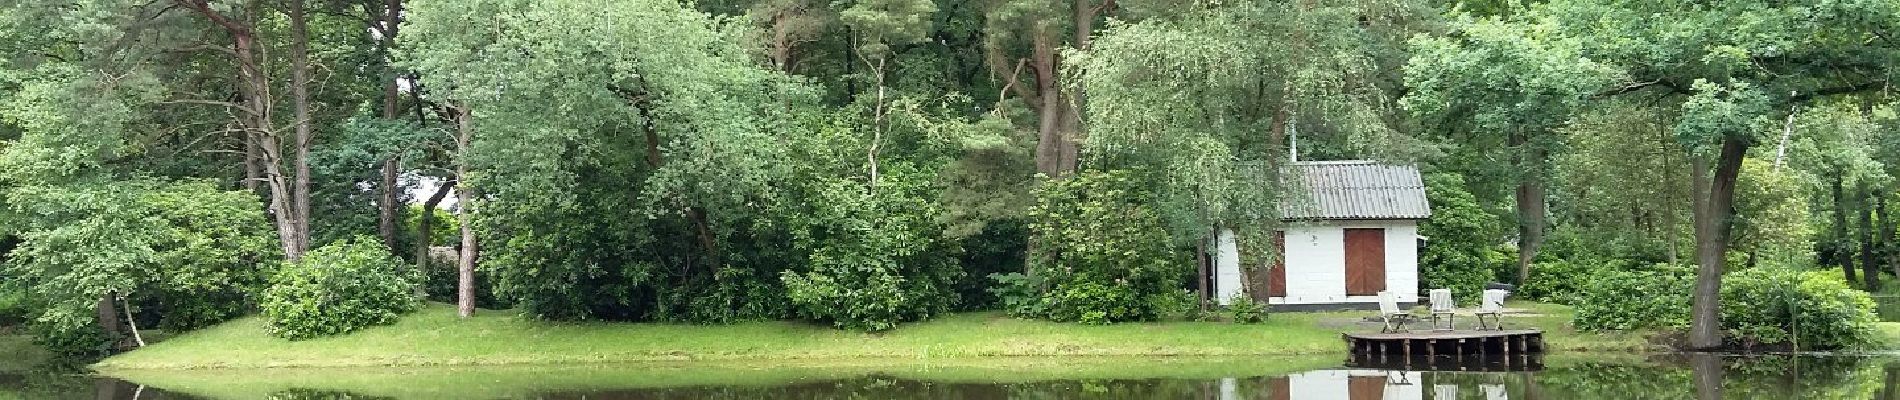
434,336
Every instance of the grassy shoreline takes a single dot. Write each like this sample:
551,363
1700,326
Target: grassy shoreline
434,337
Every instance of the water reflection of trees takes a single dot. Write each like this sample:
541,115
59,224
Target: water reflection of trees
1782,378
1733,378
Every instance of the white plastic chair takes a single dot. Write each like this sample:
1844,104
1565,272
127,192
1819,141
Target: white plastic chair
1492,305
1495,392
1443,306
1444,391
1389,311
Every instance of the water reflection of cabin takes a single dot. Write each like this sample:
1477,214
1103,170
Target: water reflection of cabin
1353,235
1354,384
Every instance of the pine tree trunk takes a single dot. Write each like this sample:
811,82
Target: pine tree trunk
1049,142
300,101
389,212
254,86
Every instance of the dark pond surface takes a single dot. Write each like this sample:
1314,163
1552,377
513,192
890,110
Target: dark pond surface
1670,377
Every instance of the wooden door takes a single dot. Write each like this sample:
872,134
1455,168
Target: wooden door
1282,388
1276,272
1365,261
1365,387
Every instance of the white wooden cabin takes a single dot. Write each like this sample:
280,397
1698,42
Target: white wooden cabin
1353,235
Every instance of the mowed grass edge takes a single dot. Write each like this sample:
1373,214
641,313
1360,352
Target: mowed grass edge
434,336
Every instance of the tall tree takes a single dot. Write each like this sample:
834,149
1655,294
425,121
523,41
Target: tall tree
1029,36
1729,71
1204,97
289,193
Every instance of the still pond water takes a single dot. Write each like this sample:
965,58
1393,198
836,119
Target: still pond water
1631,377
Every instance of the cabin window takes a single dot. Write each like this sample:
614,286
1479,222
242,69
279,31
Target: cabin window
1365,261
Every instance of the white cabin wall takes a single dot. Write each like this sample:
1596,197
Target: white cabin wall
1316,262
1401,260
1315,265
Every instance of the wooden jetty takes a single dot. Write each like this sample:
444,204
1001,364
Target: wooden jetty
1446,343
1467,363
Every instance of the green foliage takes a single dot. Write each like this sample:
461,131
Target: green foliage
1811,309
1565,282
85,240
630,183
1244,309
1761,306
1194,95
1105,253
1624,191
1461,246
339,288
1178,305
1019,295
1772,220
1650,298
441,282
876,254
13,310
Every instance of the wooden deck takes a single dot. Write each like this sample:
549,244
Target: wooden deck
1446,343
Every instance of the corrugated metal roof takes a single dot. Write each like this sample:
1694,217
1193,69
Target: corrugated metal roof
1356,190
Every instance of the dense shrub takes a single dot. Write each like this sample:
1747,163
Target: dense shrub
12,306
1018,294
1461,248
1244,309
1760,306
184,252
1563,282
1812,309
876,254
1176,305
1103,255
1640,299
339,288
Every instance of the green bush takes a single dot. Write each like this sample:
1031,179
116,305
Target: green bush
338,289
1563,282
1461,250
1760,306
876,256
12,306
1641,299
1019,294
186,251
1103,254
1244,310
1812,309
1176,305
